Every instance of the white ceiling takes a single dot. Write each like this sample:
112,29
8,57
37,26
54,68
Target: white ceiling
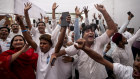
65,5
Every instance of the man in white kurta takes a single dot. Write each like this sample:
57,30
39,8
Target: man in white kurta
122,71
125,56
61,70
89,69
15,30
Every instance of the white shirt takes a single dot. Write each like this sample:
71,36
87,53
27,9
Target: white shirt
60,70
122,72
5,45
2,22
55,34
127,34
113,45
87,67
36,35
48,28
11,35
125,56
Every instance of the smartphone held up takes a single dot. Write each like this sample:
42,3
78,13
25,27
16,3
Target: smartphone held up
64,22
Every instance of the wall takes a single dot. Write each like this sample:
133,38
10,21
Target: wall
118,10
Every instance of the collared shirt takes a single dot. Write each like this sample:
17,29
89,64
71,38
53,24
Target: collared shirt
87,67
122,71
5,45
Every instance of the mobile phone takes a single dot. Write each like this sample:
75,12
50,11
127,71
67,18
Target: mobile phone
63,19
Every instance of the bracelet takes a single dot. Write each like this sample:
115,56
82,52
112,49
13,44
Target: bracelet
24,30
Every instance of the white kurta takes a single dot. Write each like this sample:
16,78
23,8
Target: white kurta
122,72
36,35
127,34
60,70
125,56
87,67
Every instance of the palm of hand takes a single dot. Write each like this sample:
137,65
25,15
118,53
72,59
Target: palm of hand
54,6
78,12
27,6
25,48
101,8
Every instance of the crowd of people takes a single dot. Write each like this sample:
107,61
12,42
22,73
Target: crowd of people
79,50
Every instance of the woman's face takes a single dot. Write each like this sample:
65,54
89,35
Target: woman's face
18,42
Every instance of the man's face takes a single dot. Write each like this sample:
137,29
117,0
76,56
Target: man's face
136,68
4,33
89,36
15,28
124,41
41,27
65,40
44,46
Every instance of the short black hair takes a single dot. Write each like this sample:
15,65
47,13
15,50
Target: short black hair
14,24
91,26
41,22
46,37
6,28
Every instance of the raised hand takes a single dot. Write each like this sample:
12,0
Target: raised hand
54,6
27,6
94,16
100,8
46,19
86,10
130,16
41,15
99,16
25,48
81,43
19,19
77,11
